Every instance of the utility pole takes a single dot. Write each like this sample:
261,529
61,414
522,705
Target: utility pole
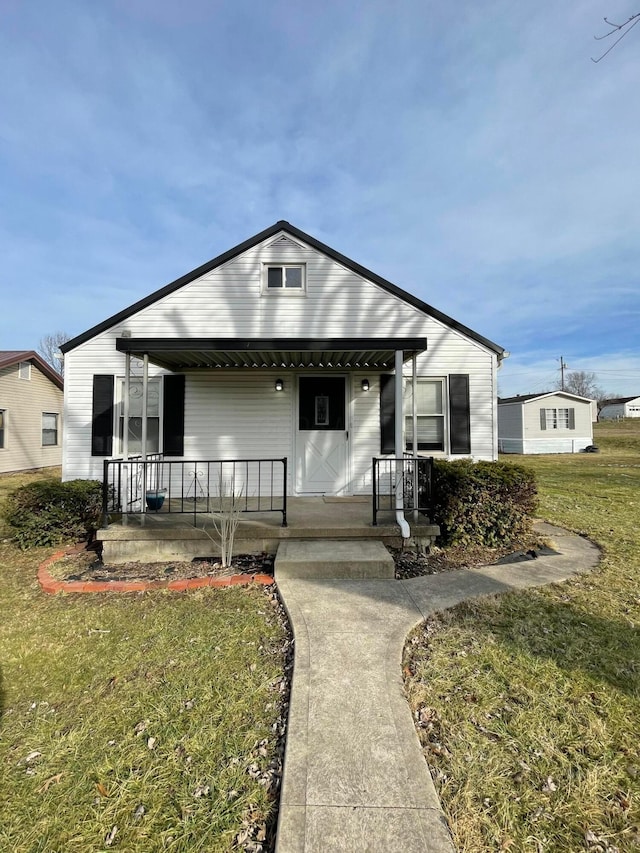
563,366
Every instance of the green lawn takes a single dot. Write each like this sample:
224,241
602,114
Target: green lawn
529,704
134,722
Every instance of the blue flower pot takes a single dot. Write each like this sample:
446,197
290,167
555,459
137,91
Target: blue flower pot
155,499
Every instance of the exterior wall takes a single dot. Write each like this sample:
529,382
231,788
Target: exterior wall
510,427
238,412
630,409
560,444
24,402
531,421
519,428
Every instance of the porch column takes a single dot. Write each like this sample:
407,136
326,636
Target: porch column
145,386
414,443
125,436
125,405
399,416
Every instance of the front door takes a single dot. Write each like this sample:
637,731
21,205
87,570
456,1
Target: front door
322,436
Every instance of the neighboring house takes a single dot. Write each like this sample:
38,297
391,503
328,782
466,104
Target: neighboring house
280,347
553,422
620,407
31,405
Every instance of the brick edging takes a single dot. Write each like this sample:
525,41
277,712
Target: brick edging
51,585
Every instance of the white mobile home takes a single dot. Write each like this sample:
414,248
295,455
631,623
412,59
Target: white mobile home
280,348
620,407
553,422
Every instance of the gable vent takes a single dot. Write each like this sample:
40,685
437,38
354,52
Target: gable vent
285,242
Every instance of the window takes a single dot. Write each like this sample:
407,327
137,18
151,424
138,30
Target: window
135,416
557,419
49,429
24,370
3,423
430,411
284,278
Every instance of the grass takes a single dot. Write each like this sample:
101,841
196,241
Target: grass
528,705
135,722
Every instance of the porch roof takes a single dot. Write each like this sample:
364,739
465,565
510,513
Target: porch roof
178,354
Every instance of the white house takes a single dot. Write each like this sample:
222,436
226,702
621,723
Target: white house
620,407
553,422
280,348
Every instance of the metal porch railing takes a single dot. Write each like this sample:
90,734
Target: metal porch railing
411,475
156,484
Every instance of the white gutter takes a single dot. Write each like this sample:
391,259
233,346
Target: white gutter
402,521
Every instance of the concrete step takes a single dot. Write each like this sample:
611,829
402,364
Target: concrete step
333,558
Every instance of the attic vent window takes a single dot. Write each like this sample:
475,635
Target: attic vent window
24,370
284,278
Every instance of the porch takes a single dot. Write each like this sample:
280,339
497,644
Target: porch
165,536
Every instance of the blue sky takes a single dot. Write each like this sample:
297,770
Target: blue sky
471,153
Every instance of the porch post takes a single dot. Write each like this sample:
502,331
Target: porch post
125,437
125,405
399,416
414,443
145,385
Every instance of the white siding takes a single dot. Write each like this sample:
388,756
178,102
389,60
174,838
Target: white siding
630,409
519,429
582,409
510,427
238,412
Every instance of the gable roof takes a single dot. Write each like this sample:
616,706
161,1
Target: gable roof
618,400
525,398
9,357
280,226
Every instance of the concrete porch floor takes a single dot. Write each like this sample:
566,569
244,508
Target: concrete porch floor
167,536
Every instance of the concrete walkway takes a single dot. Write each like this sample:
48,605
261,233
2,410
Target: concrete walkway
355,778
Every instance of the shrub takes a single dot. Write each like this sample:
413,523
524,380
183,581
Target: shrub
48,512
482,503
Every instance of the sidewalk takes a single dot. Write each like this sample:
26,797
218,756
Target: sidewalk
355,778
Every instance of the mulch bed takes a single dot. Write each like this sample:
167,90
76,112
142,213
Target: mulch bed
84,564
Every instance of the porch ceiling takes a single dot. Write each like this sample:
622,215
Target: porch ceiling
205,353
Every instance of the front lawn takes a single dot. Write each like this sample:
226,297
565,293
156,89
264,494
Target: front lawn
136,722
528,705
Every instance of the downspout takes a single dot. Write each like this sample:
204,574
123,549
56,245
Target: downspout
401,520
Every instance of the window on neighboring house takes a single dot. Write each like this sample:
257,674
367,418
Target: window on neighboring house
430,401
284,278
135,416
24,370
3,424
557,418
49,429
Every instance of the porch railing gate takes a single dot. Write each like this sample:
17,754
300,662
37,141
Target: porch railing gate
193,487
411,476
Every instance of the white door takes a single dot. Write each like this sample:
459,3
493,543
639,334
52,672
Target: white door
322,436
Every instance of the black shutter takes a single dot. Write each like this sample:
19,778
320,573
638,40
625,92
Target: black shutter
102,416
173,415
543,418
459,415
387,413
572,418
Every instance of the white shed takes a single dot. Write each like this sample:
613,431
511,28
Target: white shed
620,407
552,422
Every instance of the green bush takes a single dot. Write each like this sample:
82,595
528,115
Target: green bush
48,512
482,503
